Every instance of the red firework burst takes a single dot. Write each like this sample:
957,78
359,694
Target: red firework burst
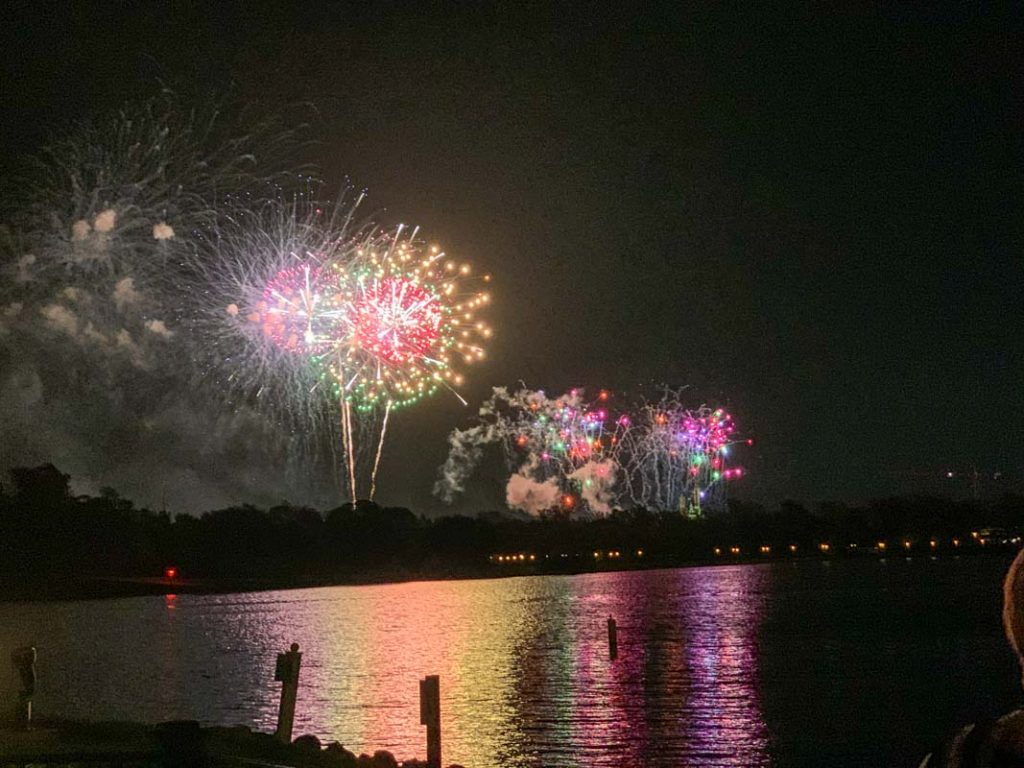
397,320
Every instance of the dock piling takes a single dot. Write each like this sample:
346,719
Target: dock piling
24,660
430,716
287,672
613,639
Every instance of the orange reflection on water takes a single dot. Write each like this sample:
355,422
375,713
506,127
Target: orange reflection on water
525,674
382,640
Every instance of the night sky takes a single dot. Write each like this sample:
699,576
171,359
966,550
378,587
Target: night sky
812,216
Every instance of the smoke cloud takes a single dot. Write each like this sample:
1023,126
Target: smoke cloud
525,493
595,480
97,369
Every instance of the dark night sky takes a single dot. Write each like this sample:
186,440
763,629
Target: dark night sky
813,215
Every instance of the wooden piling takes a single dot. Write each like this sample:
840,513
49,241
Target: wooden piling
287,672
430,716
613,639
24,660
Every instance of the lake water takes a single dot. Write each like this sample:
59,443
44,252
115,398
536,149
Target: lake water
841,663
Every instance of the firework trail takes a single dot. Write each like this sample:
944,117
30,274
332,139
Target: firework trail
253,305
118,195
677,458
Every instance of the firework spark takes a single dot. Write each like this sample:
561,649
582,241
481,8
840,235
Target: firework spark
677,457
411,318
581,456
97,342
333,323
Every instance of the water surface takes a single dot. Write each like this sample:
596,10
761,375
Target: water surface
842,663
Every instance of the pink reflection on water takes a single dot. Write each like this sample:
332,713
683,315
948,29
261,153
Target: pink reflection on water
684,685
724,614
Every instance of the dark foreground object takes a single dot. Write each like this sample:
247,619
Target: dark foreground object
24,661
181,744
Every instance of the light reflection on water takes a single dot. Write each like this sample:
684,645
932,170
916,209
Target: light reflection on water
792,664
525,674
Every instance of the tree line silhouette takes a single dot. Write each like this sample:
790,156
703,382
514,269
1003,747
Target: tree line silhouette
48,532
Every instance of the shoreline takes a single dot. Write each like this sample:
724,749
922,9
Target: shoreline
59,742
79,588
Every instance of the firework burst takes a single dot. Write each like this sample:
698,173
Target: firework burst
675,457
561,451
332,323
122,194
409,318
579,455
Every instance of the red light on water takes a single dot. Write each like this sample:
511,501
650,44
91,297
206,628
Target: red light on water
170,573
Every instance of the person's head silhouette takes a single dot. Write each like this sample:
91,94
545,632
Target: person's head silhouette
1013,607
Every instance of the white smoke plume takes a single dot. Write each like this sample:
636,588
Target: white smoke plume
531,496
60,319
163,231
105,221
465,450
159,328
124,293
595,480
80,231
135,352
91,334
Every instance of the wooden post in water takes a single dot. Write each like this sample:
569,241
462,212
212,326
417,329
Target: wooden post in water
287,672
24,660
613,639
430,716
